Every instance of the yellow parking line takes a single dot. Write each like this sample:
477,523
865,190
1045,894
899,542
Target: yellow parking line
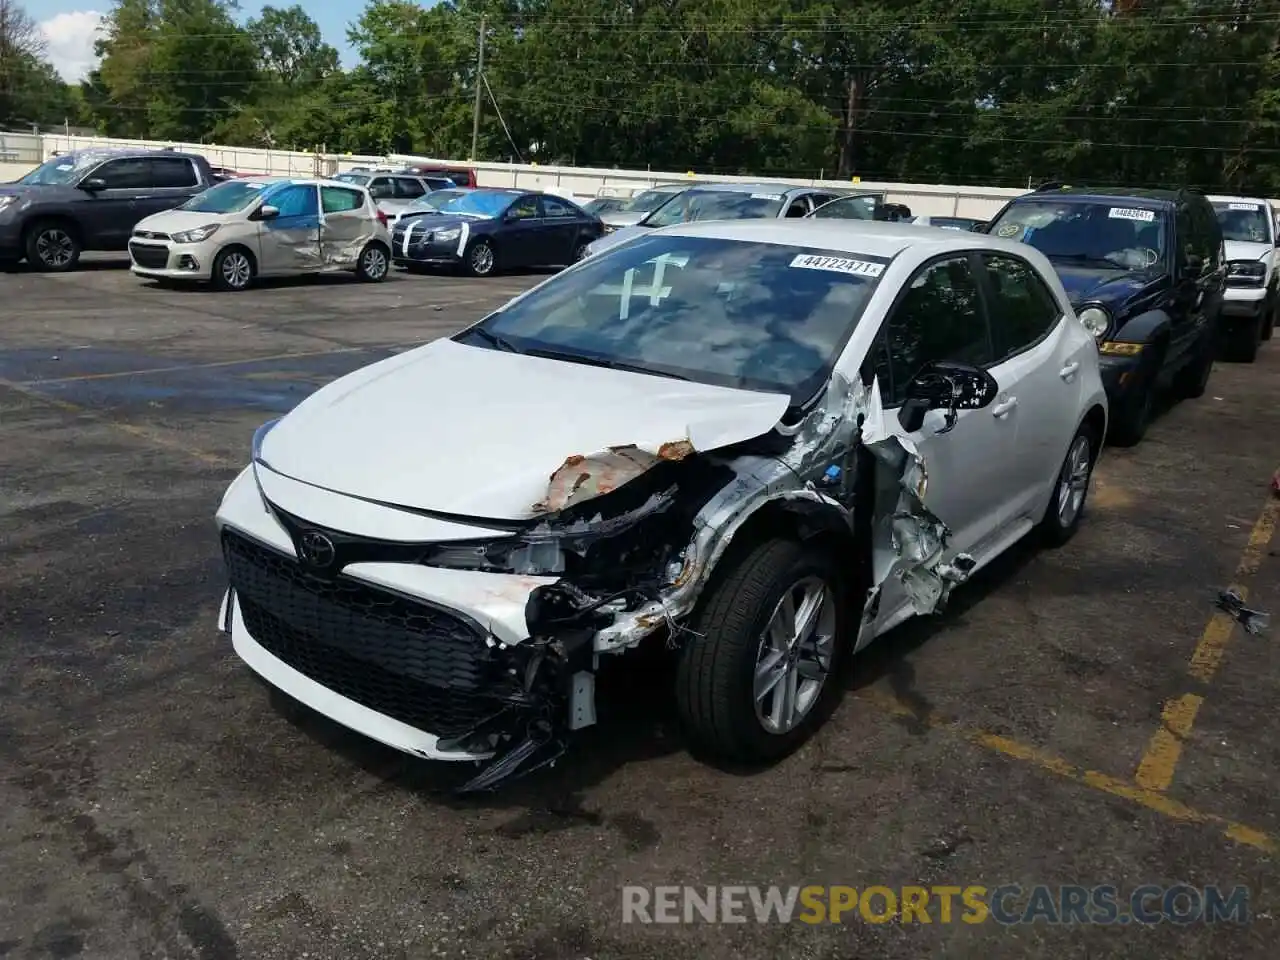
142,433
1160,760
1152,800
1155,772
181,368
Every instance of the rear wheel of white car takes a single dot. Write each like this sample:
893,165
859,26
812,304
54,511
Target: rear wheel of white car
1066,506
233,269
374,262
480,260
759,670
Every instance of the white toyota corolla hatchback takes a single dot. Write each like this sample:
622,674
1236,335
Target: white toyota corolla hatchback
766,442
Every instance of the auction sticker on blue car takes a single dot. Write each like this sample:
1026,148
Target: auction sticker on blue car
859,268
1127,213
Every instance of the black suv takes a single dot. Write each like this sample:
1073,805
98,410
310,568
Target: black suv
1145,272
90,200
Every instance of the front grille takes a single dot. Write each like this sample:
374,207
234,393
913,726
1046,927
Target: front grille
150,235
145,255
416,663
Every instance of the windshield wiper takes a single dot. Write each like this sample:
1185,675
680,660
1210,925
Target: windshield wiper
1088,258
605,362
493,339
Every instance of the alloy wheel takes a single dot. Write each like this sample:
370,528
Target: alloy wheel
794,656
482,258
54,247
1073,481
236,270
375,263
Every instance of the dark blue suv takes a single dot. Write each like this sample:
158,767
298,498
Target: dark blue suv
1145,272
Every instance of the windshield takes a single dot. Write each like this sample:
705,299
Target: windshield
435,199
479,203
848,208
226,197
1116,233
649,200
1247,222
65,169
359,179
758,316
716,205
953,223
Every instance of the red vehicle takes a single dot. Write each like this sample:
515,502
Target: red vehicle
462,176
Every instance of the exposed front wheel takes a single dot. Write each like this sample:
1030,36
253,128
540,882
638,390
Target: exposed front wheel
373,263
1129,422
480,259
232,269
757,674
52,247
1071,489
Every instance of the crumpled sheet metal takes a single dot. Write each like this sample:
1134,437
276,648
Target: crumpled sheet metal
917,537
585,477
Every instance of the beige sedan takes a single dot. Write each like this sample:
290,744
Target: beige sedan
240,230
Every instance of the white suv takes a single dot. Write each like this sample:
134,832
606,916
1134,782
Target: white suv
1249,308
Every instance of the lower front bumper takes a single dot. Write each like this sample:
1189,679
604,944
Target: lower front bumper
338,708
1243,312
1119,375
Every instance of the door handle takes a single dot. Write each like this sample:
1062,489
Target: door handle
1004,407
1069,371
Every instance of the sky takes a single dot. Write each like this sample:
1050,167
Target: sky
70,26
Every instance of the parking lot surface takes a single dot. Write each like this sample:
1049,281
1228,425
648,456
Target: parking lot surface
1077,716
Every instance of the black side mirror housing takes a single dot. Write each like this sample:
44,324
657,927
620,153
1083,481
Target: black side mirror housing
946,385
93,185
980,227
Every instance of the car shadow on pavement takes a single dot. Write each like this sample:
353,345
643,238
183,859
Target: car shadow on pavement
94,265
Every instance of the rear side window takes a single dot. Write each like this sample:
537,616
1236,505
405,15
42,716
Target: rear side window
557,208
172,172
1022,308
380,188
407,188
338,200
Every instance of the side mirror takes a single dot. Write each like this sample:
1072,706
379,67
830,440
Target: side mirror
946,385
93,184
979,227
267,212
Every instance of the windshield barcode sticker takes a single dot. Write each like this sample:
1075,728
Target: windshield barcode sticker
859,268
1125,213
766,196
1251,207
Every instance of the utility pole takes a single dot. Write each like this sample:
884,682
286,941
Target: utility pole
475,114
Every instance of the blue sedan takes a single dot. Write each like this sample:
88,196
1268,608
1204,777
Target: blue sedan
485,230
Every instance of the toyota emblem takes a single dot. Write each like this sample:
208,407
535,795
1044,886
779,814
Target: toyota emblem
316,550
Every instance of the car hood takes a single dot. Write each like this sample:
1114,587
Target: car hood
43,190
477,432
1100,284
623,218
175,221
610,240
1244,250
439,221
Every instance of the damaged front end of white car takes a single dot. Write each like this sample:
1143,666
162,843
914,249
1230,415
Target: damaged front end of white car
632,536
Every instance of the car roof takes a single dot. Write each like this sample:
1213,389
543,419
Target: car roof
781,189
1221,198
1093,194
869,237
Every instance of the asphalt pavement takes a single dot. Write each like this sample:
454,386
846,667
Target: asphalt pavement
1076,717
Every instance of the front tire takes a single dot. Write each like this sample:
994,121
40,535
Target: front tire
1134,417
1193,379
1062,516
759,672
481,260
233,269
374,263
52,247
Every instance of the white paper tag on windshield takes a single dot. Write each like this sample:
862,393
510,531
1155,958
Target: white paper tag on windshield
254,186
1125,213
766,196
859,268
1251,207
